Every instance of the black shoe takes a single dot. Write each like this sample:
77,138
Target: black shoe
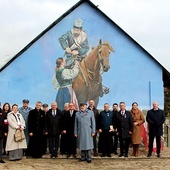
108,155
103,155
126,155
158,155
81,160
52,156
88,161
120,155
95,154
1,161
74,156
115,153
67,156
149,155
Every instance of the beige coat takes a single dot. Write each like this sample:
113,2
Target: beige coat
12,124
137,130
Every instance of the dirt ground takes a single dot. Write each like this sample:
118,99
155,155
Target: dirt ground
61,163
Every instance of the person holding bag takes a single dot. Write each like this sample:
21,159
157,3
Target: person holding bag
15,123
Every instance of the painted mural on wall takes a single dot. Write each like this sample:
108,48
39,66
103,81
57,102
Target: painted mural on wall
78,74
100,59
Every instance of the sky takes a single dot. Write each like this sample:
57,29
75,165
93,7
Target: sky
147,22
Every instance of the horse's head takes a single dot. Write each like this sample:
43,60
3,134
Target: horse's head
104,50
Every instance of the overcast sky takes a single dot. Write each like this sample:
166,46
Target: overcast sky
146,21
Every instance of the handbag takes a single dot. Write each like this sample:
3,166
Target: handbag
19,135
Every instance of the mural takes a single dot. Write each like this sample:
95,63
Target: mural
83,56
78,75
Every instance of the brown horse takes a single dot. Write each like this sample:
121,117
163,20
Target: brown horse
88,83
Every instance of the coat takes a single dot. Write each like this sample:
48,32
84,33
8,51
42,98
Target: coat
25,113
68,140
155,119
84,127
3,126
68,122
36,122
105,119
53,123
137,130
124,124
36,125
12,124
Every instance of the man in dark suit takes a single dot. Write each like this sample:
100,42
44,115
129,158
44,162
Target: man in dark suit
96,114
115,111
68,130
53,125
155,118
3,131
124,126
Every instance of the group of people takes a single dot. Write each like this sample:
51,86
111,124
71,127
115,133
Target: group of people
70,129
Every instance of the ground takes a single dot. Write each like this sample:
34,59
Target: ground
61,163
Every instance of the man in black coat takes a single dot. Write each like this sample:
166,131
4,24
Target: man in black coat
63,140
115,111
124,126
53,125
3,131
96,114
68,130
155,118
36,129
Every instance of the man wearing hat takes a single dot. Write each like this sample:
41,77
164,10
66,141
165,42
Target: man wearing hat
24,110
75,42
84,130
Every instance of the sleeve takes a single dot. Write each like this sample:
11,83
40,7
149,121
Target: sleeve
142,119
148,118
75,125
63,126
93,123
130,122
5,123
162,118
30,122
55,82
22,122
11,122
98,126
114,120
63,40
70,73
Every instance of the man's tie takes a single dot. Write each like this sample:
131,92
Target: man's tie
54,113
71,113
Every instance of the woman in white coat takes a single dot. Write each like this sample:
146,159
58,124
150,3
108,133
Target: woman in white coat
15,121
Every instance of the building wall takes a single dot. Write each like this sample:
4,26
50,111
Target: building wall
133,74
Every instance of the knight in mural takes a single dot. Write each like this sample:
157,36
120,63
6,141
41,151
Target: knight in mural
62,81
75,43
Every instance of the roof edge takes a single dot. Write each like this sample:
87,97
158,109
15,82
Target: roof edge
63,16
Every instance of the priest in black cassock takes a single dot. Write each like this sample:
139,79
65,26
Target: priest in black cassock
68,131
36,128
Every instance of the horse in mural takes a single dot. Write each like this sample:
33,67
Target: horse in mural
88,83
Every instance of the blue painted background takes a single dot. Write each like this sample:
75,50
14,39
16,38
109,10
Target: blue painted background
131,76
